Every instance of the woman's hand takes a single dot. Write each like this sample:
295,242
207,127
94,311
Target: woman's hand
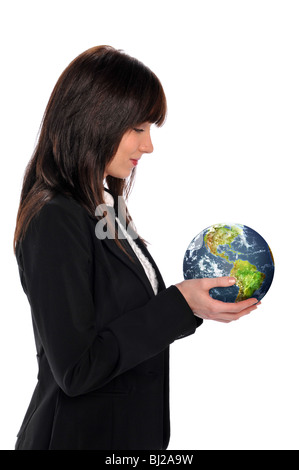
196,293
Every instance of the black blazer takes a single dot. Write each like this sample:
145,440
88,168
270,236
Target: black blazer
101,335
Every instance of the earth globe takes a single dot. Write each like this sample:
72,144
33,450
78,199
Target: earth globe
231,250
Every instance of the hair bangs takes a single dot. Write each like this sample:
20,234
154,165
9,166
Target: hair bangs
154,105
149,101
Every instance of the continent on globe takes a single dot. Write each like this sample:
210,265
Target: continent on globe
248,279
231,250
221,235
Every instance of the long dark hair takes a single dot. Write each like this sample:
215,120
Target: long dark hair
101,94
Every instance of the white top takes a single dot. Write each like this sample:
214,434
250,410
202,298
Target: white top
146,264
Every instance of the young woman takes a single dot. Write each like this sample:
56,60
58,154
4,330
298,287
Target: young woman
103,319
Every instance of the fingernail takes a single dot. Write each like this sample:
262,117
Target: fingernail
232,280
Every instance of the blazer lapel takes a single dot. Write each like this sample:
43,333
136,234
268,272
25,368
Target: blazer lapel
133,264
153,263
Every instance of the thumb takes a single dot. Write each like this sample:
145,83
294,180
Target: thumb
220,282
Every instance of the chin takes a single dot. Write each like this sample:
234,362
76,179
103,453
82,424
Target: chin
123,176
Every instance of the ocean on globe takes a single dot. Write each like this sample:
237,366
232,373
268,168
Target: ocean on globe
231,250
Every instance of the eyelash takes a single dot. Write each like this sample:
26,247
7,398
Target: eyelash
138,130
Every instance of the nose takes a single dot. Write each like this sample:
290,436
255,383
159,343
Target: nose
146,145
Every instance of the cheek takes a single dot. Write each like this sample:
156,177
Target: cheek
127,151
129,145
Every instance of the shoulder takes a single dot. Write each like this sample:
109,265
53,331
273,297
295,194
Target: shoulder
58,240
64,209
63,205
60,219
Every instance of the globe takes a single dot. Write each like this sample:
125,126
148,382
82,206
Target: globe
231,250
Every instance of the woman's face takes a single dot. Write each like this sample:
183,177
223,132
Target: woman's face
133,144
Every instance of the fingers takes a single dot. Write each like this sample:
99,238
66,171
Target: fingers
236,316
197,294
211,282
233,307
226,281
228,316
226,307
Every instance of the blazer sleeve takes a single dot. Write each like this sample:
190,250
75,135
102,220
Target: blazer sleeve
56,259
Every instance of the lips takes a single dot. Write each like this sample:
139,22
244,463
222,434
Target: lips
135,162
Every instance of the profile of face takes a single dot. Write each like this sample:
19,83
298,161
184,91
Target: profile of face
134,143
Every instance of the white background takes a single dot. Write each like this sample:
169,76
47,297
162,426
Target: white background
226,154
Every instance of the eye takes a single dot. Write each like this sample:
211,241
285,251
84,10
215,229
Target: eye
137,129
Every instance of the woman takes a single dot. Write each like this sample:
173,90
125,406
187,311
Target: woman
103,319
